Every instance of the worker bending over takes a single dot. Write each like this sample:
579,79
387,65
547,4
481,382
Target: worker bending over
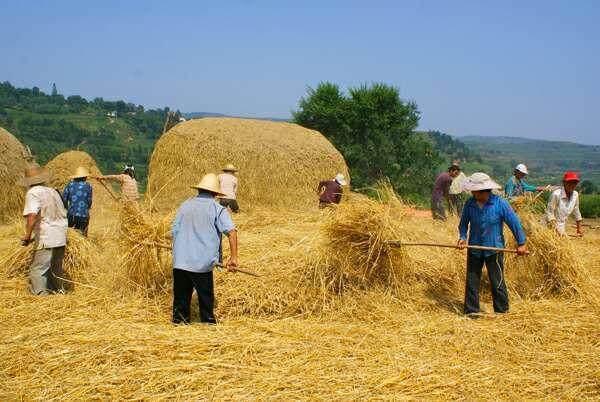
441,190
129,186
516,186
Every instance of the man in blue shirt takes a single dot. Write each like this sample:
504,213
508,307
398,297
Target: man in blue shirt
516,186
197,229
481,223
77,197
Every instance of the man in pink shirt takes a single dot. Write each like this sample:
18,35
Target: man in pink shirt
229,185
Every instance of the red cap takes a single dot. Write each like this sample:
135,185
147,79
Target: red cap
571,176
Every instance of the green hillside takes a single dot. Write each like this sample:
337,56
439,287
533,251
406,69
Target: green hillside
547,160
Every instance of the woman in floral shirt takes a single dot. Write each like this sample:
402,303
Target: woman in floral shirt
77,197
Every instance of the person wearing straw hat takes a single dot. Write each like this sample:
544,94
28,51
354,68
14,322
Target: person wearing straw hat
46,227
197,229
77,197
516,186
481,223
330,191
229,185
129,186
441,190
563,202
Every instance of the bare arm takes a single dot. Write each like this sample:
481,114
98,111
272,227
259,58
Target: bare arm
232,264
30,221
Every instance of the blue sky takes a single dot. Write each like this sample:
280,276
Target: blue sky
518,68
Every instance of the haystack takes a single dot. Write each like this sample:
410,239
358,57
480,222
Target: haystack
12,165
63,166
280,164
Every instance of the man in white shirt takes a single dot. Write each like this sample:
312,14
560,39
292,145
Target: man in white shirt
456,198
564,202
46,227
229,185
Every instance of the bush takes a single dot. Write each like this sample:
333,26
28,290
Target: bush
589,205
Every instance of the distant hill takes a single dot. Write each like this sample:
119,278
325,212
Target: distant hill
547,160
200,115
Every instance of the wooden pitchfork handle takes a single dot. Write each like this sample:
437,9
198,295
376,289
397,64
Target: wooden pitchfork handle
397,243
169,247
114,197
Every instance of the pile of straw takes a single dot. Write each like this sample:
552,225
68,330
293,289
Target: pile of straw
12,166
63,166
80,263
280,164
144,260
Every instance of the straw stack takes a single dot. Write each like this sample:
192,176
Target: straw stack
12,166
280,164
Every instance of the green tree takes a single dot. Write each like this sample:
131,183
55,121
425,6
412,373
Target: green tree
375,131
588,187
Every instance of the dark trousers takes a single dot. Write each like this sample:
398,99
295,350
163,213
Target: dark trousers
230,203
495,267
78,222
456,203
184,283
437,209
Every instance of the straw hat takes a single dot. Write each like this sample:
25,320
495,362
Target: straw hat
210,182
340,179
522,168
80,172
34,174
229,168
479,181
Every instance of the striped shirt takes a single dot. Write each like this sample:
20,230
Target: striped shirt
484,225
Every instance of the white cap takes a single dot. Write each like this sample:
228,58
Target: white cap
522,168
340,179
479,181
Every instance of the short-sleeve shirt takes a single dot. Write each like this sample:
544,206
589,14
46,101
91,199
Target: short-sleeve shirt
50,229
77,195
228,184
197,229
441,186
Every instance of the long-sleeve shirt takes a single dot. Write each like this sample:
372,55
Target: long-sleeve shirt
330,192
197,230
483,226
456,186
77,196
560,206
441,186
129,187
515,187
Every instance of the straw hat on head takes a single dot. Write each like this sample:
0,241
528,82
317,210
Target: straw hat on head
210,182
340,179
229,168
35,174
80,172
522,168
478,182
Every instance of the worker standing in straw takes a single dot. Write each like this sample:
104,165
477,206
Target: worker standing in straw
441,190
46,227
481,222
197,230
129,186
330,191
77,197
564,202
229,185
516,186
456,197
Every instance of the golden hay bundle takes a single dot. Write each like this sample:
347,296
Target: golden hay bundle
280,164
80,262
63,166
144,260
12,165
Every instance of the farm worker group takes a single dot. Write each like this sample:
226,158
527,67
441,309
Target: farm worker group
201,222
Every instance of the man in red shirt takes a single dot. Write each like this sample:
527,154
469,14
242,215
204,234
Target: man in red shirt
330,191
440,191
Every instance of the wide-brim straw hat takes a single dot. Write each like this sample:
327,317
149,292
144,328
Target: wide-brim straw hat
229,168
210,182
478,182
35,174
80,172
522,168
340,179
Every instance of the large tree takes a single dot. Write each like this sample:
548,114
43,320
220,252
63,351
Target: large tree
375,131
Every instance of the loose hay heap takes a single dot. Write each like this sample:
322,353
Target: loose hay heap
280,164
63,166
80,263
12,166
